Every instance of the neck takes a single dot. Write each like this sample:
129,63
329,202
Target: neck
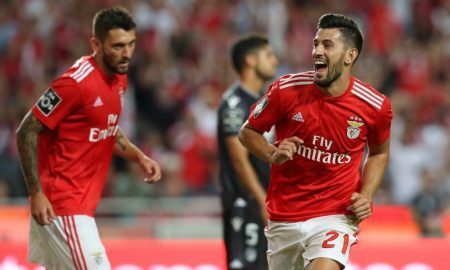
252,82
101,64
338,87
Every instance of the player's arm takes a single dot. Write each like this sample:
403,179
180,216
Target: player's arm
27,138
27,144
126,149
372,176
259,146
239,157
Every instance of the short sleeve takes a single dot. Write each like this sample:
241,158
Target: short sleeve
382,127
60,99
266,112
232,116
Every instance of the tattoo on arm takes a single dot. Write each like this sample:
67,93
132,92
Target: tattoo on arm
120,142
125,149
27,138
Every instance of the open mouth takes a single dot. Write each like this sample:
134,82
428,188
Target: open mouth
320,65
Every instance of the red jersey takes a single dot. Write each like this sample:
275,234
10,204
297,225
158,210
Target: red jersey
81,110
326,169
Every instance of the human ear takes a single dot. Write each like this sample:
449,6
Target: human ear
250,60
350,56
95,44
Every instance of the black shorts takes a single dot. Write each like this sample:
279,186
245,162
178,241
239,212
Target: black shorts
245,242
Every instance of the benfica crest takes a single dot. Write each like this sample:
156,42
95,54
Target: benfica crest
354,127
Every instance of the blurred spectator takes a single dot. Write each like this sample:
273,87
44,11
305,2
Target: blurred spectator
408,158
428,205
445,184
382,28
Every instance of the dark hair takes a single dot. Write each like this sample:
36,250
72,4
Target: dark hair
244,46
111,18
348,27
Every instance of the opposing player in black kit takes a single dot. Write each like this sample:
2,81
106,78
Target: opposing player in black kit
244,178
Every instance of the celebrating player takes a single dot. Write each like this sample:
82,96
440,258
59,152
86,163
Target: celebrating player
244,178
323,120
66,143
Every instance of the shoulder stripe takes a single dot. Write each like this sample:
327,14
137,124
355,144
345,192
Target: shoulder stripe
80,61
368,95
297,77
80,69
294,76
368,90
304,82
377,104
84,74
303,78
311,72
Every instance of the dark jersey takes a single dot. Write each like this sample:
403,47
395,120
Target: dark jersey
243,227
233,111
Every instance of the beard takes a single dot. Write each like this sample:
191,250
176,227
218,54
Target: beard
333,74
329,79
265,76
113,67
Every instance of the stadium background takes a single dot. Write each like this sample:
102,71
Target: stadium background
179,71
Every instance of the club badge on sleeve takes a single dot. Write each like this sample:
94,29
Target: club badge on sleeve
48,101
262,103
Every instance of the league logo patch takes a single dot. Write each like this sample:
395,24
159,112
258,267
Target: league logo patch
48,101
354,130
260,106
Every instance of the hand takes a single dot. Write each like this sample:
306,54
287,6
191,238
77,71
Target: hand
285,150
361,206
151,170
41,209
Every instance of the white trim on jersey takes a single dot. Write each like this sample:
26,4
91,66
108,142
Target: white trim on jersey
296,83
78,62
367,95
292,77
305,78
85,74
370,92
82,71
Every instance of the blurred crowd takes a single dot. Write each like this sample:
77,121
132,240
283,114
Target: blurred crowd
181,67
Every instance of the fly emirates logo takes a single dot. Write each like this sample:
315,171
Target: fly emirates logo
320,152
97,134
